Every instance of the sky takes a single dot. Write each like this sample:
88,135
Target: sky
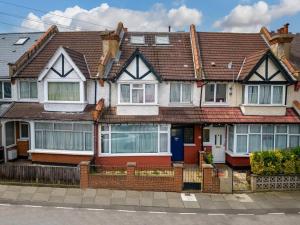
149,15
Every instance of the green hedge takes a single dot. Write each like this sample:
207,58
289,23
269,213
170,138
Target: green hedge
276,162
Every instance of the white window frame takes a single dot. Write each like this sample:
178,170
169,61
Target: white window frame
258,87
20,131
181,101
162,37
234,152
19,90
159,153
14,144
3,97
144,93
215,95
81,90
135,39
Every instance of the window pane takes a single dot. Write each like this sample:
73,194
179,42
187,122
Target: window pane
267,142
163,142
88,141
241,129
175,92
265,94
281,129
105,143
294,141
188,135
281,141
1,92
277,94
24,89
221,93
269,129
150,93
10,133
63,91
63,126
254,142
82,127
39,139
230,138
252,94
33,90
163,127
206,137
241,143
7,90
44,126
209,92
186,92
137,95
125,93
255,128
294,129
24,130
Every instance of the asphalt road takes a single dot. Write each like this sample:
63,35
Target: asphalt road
37,215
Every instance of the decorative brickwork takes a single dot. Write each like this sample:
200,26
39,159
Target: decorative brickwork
134,178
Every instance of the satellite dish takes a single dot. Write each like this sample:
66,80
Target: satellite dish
229,65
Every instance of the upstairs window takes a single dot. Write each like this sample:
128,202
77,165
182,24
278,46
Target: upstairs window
264,94
137,93
28,90
162,40
215,93
63,91
5,90
137,39
180,92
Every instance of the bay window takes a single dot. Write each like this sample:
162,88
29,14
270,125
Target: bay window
134,139
180,92
63,91
28,89
215,93
264,94
5,90
63,136
244,139
137,93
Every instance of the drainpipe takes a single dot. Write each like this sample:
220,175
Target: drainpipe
201,90
95,82
109,97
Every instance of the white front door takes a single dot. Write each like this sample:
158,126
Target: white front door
218,144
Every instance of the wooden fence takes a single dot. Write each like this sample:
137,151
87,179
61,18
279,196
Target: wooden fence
40,174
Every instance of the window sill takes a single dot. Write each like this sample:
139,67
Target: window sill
190,145
137,104
215,104
263,105
65,102
134,154
23,139
180,104
28,100
61,152
232,154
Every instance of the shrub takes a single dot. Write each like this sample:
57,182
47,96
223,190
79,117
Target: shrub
276,162
209,158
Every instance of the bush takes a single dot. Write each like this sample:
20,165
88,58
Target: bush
209,158
276,162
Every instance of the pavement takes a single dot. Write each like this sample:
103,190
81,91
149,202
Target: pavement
259,203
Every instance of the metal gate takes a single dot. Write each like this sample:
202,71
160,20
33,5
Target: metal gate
192,177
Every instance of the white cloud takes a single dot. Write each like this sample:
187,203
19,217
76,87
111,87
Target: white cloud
105,17
250,18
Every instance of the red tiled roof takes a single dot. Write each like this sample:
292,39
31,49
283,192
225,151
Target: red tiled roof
223,48
189,115
35,111
88,43
171,62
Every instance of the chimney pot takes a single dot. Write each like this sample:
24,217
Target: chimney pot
286,28
169,28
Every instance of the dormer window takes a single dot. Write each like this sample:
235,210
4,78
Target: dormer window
264,94
162,40
137,39
137,93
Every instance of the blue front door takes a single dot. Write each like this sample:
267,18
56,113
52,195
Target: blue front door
177,144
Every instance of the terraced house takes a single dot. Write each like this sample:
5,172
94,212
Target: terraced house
154,97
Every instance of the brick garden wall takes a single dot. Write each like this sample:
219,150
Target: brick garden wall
131,181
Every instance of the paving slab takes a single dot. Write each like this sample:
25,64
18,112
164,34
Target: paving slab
173,195
118,201
146,201
72,199
56,199
284,195
40,197
14,188
191,205
221,205
10,195
236,205
202,196
28,190
25,197
100,200
147,194
132,194
47,190
89,193
59,192
132,201
88,200
175,203
207,204
159,195
230,197
217,198
160,203
251,205
74,192
118,194
104,192
3,187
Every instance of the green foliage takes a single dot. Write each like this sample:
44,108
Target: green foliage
276,162
209,158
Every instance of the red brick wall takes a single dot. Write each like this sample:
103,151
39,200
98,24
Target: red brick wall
59,158
237,161
140,160
191,153
210,180
130,181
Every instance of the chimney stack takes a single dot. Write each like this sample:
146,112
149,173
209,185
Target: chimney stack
195,51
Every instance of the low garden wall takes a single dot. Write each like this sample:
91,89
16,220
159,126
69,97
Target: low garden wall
132,177
277,170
